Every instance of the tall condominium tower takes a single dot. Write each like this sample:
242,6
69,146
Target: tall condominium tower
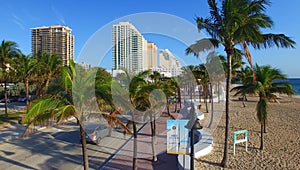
168,63
151,60
128,48
55,39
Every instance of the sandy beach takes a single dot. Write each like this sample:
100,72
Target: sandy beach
281,142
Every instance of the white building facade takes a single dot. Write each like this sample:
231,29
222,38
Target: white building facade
169,65
129,48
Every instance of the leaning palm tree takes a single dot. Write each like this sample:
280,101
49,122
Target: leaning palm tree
236,23
269,81
8,50
59,103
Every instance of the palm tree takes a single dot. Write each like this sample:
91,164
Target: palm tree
25,71
236,22
130,98
47,70
204,81
8,50
169,87
103,82
269,81
62,103
243,76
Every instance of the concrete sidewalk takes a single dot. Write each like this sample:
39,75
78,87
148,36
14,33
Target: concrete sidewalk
11,132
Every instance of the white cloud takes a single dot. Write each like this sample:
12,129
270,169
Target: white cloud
20,22
58,16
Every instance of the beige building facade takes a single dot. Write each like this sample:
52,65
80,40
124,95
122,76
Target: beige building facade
55,39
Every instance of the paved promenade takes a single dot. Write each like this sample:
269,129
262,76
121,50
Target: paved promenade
123,159
120,147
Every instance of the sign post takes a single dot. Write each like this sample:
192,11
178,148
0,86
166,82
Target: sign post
245,139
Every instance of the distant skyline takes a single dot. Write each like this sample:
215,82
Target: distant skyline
86,17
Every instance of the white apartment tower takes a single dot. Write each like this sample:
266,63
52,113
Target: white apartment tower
128,48
169,64
55,39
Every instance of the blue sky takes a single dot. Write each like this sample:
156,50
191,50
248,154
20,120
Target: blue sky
86,17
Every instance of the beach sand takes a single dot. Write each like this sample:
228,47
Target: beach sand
281,142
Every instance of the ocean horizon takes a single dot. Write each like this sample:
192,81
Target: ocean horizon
295,82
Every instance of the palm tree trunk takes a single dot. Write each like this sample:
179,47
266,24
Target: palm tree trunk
27,92
243,100
199,96
179,97
218,86
212,107
84,148
5,98
261,136
134,159
228,82
265,127
134,162
153,140
206,96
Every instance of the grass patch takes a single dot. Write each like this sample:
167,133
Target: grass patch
13,117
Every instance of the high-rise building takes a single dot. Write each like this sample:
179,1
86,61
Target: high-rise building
55,39
128,48
151,59
169,64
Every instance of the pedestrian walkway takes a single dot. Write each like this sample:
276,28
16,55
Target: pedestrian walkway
123,159
12,131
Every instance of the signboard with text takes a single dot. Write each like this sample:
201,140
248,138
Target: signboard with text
177,137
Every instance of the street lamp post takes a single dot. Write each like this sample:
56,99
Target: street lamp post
193,124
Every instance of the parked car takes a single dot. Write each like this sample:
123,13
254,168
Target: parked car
23,98
94,132
9,99
3,100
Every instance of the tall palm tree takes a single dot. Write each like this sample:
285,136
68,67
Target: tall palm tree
233,23
8,50
60,104
47,70
129,98
25,67
268,82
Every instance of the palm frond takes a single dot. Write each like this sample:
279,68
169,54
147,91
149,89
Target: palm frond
40,107
271,40
204,44
261,108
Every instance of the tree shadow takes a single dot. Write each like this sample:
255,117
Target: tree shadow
7,153
16,163
165,161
